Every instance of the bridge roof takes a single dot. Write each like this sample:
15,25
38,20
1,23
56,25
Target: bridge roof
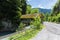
31,15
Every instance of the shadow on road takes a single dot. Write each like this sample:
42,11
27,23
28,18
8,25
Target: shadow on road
5,33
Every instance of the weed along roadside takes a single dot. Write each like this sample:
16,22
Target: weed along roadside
25,35
29,32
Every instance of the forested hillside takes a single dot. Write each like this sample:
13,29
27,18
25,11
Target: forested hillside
55,15
56,8
45,10
10,12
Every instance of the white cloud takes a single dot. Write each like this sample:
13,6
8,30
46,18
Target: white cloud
28,0
40,6
33,7
44,7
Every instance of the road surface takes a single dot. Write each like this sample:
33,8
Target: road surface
51,32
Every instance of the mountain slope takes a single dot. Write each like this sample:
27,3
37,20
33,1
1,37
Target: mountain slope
44,10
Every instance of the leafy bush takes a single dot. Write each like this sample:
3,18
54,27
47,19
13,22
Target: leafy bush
21,26
37,23
55,18
49,18
58,17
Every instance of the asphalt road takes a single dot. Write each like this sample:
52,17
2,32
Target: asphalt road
51,32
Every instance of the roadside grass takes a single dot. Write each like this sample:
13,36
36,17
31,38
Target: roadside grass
26,35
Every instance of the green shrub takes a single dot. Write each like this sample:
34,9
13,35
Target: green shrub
21,26
55,18
49,18
37,23
58,17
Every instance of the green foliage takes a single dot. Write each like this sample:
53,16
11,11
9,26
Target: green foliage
31,10
28,9
34,10
56,8
21,27
37,23
46,16
58,17
9,11
9,8
54,18
23,6
12,10
49,18
25,35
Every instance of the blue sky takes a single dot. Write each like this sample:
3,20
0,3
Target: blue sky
46,4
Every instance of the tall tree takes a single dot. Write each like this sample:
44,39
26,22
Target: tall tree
11,10
23,6
56,8
28,11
